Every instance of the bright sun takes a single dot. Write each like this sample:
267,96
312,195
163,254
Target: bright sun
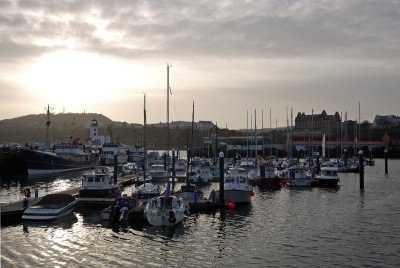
73,79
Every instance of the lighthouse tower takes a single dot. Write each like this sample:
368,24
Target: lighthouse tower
94,133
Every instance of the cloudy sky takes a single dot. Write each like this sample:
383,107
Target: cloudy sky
229,57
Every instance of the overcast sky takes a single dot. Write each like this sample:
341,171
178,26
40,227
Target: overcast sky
229,57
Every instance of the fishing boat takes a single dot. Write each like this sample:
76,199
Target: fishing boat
328,176
99,186
299,176
62,157
237,189
51,207
266,177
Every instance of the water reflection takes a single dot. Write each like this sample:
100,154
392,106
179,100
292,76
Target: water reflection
62,223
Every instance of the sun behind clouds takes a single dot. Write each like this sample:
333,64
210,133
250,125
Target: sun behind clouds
73,79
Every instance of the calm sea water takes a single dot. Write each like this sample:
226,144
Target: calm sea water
342,227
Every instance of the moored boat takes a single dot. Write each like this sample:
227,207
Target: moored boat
165,210
299,176
119,210
51,207
328,177
201,175
98,186
236,187
266,176
63,158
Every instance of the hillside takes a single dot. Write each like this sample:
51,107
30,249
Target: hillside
31,128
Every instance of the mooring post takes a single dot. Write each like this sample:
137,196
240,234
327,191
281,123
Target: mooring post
386,161
345,158
165,161
115,168
221,180
173,169
262,171
361,168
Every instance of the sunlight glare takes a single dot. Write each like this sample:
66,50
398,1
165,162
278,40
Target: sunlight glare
71,78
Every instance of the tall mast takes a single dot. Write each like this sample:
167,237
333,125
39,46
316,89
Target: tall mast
255,131
168,92
191,151
144,138
247,136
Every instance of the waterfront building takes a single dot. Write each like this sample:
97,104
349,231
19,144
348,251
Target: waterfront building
386,121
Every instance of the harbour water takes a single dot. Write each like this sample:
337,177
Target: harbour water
318,227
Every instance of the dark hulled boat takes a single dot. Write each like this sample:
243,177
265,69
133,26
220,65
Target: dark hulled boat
63,158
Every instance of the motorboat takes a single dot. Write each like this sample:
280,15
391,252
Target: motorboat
51,207
201,175
180,165
190,192
111,150
165,210
299,176
146,191
328,176
236,187
119,211
265,176
99,186
158,171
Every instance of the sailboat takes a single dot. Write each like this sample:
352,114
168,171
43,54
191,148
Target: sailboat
165,210
146,190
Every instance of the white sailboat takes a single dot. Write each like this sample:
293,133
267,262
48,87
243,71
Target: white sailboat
147,190
166,210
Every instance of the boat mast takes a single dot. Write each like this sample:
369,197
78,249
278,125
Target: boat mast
168,92
48,123
144,139
192,145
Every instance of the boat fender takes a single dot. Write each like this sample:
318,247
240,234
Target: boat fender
172,218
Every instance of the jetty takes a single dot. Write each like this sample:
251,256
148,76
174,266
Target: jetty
12,212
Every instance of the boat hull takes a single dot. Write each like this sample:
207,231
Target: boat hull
328,182
48,212
236,196
38,163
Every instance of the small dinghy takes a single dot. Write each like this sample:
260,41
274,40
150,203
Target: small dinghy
51,207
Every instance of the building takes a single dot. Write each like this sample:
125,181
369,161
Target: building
317,125
386,121
94,137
